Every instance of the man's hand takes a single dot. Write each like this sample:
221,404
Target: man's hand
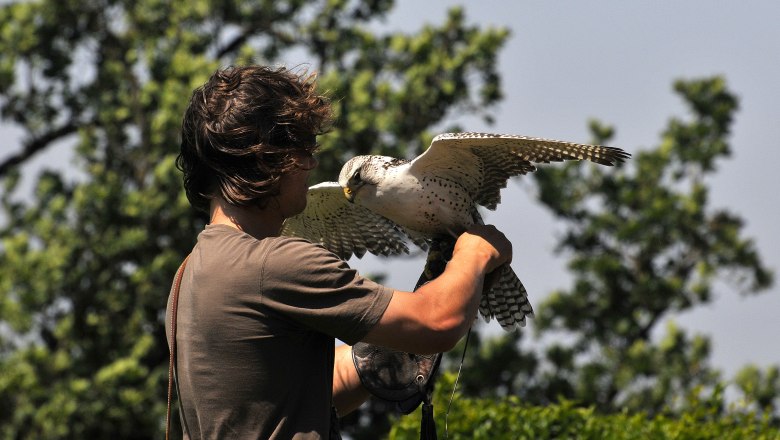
487,241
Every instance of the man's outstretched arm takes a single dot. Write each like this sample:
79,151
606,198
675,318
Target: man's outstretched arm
434,317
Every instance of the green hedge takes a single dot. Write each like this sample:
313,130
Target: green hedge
509,418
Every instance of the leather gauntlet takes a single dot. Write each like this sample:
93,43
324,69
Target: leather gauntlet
394,376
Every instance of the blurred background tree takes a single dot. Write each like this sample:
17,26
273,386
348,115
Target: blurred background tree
86,262
643,246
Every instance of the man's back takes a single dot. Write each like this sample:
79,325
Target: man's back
250,329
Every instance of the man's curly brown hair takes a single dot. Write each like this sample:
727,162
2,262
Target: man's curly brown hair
243,130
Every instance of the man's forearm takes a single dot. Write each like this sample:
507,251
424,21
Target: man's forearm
433,318
438,314
348,392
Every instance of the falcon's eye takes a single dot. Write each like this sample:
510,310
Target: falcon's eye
356,177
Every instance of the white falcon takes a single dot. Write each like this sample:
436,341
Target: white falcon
380,202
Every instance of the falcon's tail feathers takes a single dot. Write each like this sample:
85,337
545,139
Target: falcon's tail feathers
507,301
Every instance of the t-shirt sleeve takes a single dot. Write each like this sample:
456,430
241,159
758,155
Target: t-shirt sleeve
312,286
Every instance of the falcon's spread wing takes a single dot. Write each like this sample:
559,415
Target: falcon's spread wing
483,162
342,227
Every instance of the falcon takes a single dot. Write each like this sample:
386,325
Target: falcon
381,203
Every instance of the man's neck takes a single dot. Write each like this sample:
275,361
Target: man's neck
259,223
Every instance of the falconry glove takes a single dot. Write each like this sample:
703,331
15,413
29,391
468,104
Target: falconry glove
404,379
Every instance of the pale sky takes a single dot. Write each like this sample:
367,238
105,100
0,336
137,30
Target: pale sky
615,60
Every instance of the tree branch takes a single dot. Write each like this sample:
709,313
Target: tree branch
35,146
234,45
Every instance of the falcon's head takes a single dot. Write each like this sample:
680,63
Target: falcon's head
362,171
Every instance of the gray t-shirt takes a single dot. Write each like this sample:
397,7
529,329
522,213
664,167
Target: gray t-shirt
255,334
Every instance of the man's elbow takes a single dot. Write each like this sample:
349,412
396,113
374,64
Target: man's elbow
445,334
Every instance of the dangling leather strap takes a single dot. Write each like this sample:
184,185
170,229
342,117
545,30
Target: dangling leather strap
172,359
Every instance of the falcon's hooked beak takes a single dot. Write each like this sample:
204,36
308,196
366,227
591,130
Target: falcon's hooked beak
349,194
352,185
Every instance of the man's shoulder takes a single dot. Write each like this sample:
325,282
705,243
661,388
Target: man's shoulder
277,254
221,234
299,248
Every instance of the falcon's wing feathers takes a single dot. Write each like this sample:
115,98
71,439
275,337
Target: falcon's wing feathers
483,162
344,228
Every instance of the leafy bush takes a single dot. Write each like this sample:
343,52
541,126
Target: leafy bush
509,418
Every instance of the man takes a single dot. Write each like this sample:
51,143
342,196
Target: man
258,313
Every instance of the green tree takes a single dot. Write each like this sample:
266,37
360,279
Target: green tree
643,245
87,262
760,388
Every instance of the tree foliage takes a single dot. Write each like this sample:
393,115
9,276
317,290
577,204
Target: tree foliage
644,244
511,418
86,263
